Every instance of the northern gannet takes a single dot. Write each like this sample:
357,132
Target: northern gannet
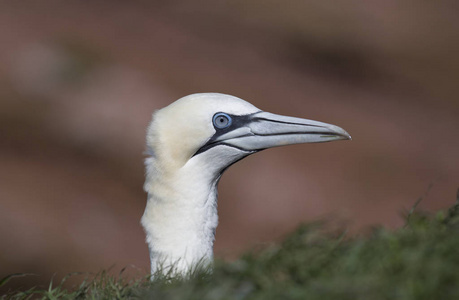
192,142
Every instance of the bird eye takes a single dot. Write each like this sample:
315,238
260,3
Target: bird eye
221,120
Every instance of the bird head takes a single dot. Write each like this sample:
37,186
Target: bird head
216,130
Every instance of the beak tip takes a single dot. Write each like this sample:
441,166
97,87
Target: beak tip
343,133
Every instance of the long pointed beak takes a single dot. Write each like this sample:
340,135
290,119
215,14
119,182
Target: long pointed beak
267,130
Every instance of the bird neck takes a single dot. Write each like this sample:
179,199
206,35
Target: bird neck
180,218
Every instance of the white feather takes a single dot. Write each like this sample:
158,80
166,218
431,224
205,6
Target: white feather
181,213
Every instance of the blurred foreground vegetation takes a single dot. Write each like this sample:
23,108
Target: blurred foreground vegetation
418,261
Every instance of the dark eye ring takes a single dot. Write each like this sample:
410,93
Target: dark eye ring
221,120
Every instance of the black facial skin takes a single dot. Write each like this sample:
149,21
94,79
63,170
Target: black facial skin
237,122
241,121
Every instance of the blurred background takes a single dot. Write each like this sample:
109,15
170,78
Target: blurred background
79,81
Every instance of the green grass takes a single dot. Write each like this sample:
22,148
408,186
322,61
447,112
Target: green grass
418,261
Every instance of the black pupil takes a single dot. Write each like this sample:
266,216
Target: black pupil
222,120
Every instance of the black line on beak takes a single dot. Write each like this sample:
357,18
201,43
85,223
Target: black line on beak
238,122
283,122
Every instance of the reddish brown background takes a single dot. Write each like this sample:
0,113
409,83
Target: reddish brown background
79,81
